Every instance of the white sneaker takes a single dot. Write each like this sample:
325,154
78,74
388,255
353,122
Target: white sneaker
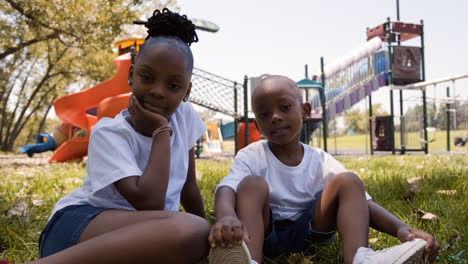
407,253
238,254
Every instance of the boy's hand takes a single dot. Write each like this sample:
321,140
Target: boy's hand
227,232
145,119
432,247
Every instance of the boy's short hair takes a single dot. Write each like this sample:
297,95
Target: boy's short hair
266,76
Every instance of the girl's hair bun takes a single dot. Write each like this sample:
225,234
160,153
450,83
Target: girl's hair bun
170,24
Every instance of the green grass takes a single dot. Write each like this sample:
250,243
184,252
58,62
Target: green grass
385,179
437,141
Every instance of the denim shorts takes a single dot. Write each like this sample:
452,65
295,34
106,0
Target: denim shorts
64,228
289,236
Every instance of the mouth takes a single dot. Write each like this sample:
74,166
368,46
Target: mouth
153,108
279,131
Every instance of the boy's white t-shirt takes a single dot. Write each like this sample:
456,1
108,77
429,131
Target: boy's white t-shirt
291,188
116,151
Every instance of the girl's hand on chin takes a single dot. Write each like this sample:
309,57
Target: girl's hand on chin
143,118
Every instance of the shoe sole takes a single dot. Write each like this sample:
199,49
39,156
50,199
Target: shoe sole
238,254
413,255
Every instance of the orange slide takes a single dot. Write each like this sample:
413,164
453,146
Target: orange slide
106,99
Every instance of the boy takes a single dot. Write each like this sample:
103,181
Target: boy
280,195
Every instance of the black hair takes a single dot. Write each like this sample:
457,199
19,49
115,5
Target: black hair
167,26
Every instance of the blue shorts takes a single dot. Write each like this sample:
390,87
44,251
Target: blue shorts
289,236
64,229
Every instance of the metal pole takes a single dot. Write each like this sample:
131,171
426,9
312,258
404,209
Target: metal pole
306,124
397,10
236,124
390,81
448,120
426,148
246,112
402,139
370,125
324,108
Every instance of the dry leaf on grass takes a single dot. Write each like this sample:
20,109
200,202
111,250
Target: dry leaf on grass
447,192
424,215
19,208
37,202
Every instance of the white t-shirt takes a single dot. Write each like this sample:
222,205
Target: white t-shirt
292,188
116,151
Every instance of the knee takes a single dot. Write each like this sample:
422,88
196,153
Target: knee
347,180
193,233
253,184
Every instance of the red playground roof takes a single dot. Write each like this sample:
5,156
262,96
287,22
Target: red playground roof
406,30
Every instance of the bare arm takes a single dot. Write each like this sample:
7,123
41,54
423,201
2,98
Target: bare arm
384,221
148,191
225,203
190,196
228,229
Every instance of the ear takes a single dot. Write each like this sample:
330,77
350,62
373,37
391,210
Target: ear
130,75
306,108
256,125
187,94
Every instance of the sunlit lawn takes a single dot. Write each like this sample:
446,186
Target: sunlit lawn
437,141
385,177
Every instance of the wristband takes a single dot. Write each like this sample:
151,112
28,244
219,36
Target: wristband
162,129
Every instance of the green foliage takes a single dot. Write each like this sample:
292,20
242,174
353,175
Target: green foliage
48,47
384,177
359,120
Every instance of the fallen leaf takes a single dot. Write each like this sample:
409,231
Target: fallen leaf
447,192
37,202
424,215
19,208
373,240
414,180
429,216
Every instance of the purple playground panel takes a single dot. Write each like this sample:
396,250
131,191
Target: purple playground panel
354,97
340,106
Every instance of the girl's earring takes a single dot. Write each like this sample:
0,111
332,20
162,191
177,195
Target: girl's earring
185,99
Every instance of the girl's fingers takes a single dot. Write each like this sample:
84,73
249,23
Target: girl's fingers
217,236
237,233
227,234
211,239
246,236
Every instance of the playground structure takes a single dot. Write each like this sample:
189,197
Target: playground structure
380,62
81,111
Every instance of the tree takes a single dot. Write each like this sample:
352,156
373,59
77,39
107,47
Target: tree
48,47
358,120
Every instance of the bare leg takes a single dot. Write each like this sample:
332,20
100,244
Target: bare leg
343,206
119,236
254,212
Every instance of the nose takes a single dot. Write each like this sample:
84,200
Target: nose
276,117
157,91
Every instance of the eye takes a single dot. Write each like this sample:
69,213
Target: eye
285,107
145,78
174,86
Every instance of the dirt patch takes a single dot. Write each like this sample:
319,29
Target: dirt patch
22,160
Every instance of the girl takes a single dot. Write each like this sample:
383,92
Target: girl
140,167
